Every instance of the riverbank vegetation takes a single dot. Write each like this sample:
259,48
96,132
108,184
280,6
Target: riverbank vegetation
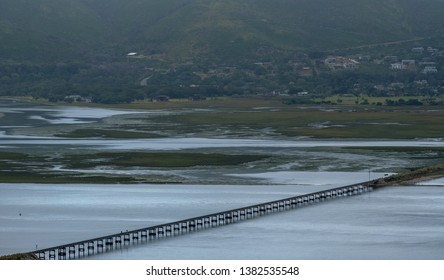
74,168
415,175
156,159
245,118
249,117
368,122
107,133
19,257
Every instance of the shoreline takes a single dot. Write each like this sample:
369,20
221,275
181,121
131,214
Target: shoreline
413,177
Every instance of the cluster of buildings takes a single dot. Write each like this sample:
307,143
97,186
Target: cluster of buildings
410,64
426,66
405,64
341,63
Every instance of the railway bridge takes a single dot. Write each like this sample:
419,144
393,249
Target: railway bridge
99,245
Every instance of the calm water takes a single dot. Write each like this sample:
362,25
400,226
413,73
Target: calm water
394,223
48,215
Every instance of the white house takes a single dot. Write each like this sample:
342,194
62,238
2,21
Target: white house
396,66
430,70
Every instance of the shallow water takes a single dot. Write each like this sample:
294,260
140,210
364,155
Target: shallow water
393,223
435,182
18,115
29,114
205,143
39,123
50,214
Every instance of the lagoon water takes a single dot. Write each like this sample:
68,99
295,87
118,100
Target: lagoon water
204,143
393,223
50,214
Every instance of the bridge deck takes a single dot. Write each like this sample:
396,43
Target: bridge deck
120,240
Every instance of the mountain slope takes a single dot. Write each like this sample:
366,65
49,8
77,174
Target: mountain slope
47,29
235,27
219,29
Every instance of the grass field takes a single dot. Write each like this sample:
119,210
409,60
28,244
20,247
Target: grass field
319,122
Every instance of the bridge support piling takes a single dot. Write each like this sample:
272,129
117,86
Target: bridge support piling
61,253
72,252
112,242
100,246
81,249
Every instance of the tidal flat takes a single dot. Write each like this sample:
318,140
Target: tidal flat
200,142
250,150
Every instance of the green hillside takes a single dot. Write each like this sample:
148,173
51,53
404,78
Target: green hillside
232,28
48,29
57,48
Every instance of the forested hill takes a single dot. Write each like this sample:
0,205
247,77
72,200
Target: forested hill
48,30
57,49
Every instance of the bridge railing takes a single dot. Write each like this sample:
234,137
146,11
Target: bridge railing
97,245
